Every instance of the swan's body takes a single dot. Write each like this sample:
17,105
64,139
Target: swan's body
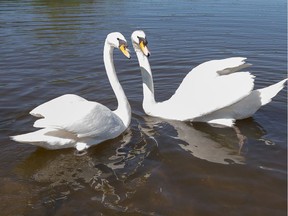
72,121
212,92
244,108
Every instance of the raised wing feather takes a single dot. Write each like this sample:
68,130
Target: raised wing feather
214,68
211,86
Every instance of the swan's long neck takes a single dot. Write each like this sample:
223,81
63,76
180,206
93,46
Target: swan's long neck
147,78
123,110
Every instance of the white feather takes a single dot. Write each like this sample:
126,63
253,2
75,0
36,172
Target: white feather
247,106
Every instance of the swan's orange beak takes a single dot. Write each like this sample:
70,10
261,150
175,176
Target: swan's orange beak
144,48
125,50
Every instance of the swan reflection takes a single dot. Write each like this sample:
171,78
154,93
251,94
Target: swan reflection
114,170
217,145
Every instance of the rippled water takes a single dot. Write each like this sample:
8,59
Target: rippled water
52,47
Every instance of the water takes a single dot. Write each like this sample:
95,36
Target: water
49,48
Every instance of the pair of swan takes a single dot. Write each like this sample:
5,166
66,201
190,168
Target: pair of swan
72,121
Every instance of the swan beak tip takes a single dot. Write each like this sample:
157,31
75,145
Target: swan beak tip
144,48
128,55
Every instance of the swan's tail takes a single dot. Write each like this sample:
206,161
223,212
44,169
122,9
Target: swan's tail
244,108
266,94
46,138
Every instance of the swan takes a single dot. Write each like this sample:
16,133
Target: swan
72,121
213,92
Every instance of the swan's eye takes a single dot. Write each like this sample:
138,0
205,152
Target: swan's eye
122,42
139,39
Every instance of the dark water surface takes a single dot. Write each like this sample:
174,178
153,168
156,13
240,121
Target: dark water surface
52,47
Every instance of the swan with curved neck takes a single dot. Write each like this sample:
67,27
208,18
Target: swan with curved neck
213,92
72,121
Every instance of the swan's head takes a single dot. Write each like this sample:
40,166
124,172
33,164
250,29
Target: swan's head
117,40
140,42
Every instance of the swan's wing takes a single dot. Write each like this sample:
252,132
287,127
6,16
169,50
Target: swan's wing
48,138
48,108
213,85
218,67
212,69
83,118
204,95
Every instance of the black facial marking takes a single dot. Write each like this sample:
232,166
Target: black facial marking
122,42
144,40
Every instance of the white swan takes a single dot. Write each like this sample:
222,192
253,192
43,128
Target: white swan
72,121
212,92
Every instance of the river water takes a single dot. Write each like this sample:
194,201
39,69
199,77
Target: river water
52,47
